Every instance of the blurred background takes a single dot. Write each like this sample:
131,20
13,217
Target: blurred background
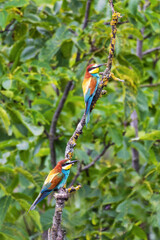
43,46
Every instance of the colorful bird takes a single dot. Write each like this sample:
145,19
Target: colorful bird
89,85
55,180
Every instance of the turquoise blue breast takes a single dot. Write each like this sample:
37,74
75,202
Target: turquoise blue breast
64,180
96,75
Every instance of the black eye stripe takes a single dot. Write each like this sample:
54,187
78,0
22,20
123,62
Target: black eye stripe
92,68
65,164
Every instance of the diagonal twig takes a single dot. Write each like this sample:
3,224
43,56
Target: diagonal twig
88,5
86,14
151,50
52,132
80,169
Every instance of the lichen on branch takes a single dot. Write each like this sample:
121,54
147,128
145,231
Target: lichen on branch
56,231
106,75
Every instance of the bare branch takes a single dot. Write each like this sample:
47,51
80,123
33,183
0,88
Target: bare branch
80,169
52,132
139,46
151,50
98,157
86,14
8,26
135,154
77,175
111,5
84,24
150,85
134,119
55,89
55,232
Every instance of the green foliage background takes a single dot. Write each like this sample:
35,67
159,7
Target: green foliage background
39,49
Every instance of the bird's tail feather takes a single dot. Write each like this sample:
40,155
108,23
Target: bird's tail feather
88,110
40,197
87,118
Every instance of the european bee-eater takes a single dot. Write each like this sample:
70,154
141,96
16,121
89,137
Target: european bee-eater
55,180
89,85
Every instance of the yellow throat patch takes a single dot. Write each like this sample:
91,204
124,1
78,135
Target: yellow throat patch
67,167
95,70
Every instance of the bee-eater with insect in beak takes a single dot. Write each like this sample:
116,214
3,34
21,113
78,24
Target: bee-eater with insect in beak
55,180
89,85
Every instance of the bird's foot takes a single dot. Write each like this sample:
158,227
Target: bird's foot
73,189
105,81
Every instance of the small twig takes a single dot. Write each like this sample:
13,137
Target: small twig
134,118
151,50
135,154
111,5
119,23
77,175
84,25
7,27
46,133
150,85
55,89
98,157
80,169
52,132
86,14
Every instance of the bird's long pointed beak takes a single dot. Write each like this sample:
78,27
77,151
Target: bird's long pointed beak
100,65
74,161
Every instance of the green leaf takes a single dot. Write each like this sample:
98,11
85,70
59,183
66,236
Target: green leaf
15,3
134,62
152,136
33,214
116,136
5,118
141,149
142,101
6,169
46,219
32,18
7,83
8,94
8,143
136,230
24,145
66,48
4,205
43,152
82,155
18,45
3,17
123,153
133,5
134,32
53,45
35,130
26,174
28,53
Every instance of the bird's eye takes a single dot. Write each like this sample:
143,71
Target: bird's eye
90,68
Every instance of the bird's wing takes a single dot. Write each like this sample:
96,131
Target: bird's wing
52,180
85,85
93,84
89,88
